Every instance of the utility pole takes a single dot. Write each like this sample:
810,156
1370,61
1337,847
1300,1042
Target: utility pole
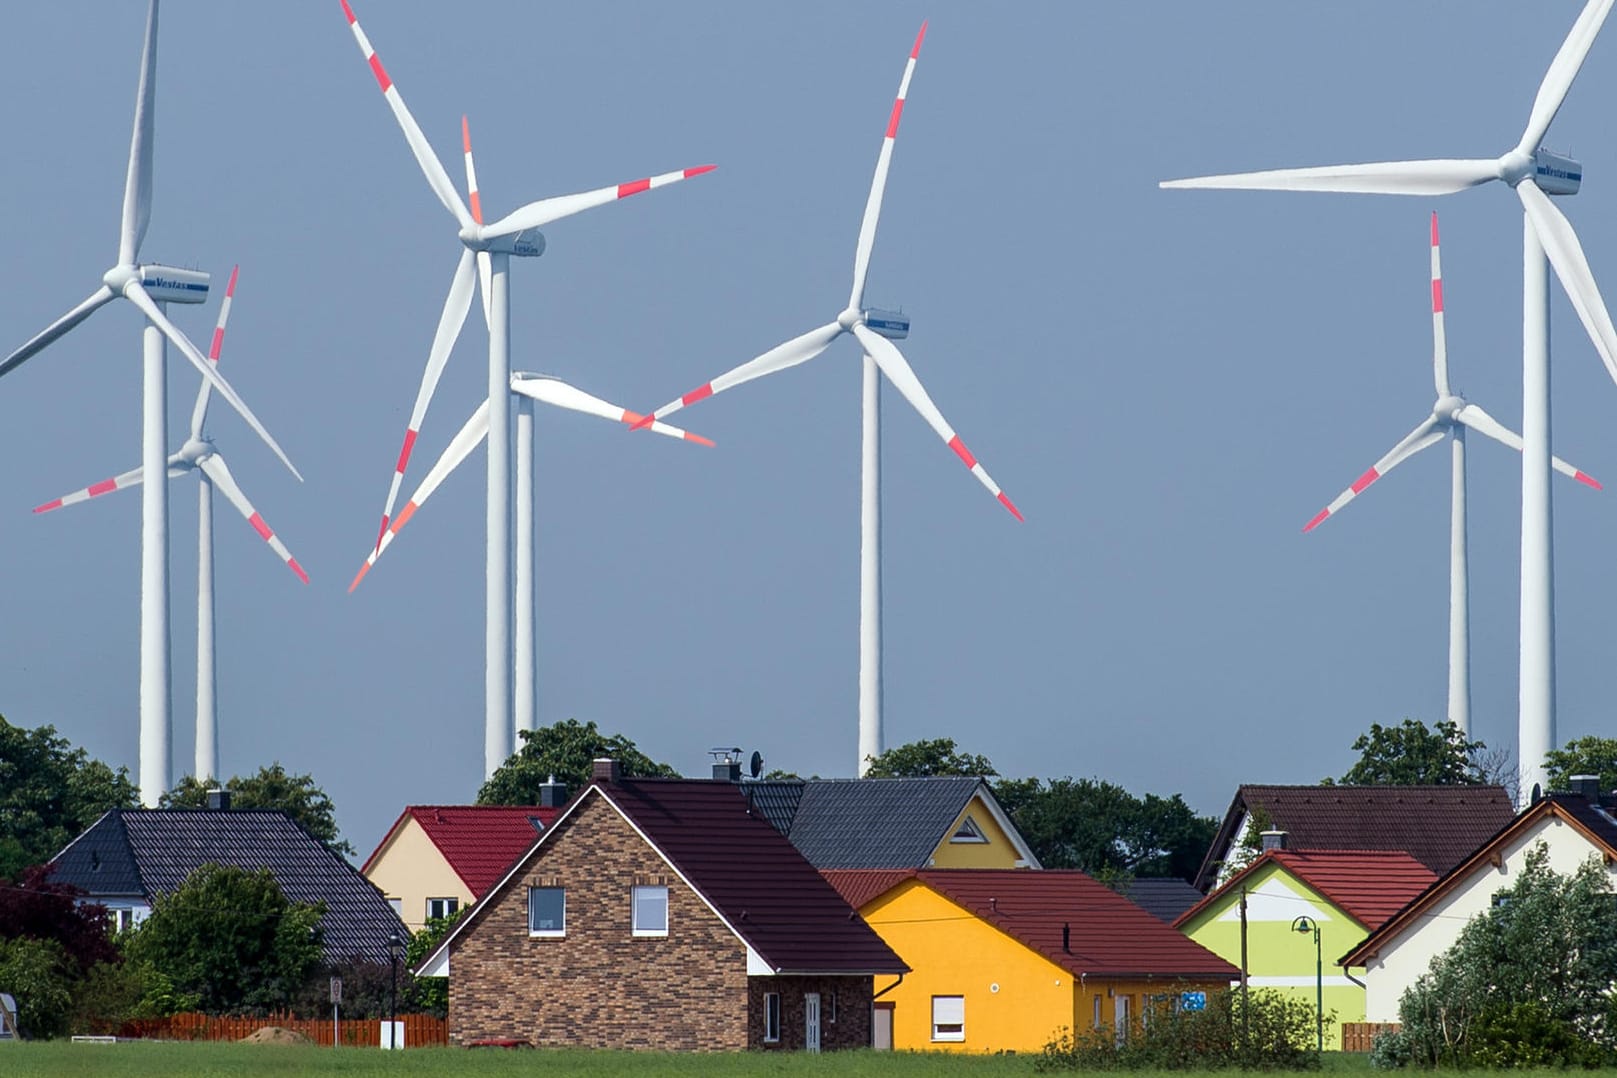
1246,1020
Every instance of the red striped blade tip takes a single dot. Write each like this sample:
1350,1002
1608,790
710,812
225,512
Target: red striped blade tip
1008,504
698,439
48,506
298,569
914,52
1434,228
1319,518
363,569
699,170
348,11
1586,480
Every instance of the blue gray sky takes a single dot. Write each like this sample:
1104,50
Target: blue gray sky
1169,384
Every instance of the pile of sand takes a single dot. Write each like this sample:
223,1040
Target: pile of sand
275,1035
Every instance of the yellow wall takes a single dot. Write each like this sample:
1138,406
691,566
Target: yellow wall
997,852
409,867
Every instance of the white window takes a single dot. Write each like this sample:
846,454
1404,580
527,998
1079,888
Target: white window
547,911
831,1007
771,1017
122,919
968,831
651,911
398,905
948,1018
442,907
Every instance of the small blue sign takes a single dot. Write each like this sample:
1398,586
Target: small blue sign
1193,1001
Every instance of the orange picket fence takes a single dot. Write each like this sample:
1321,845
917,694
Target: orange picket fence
1358,1036
420,1030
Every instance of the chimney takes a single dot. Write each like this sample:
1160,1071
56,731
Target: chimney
727,770
604,770
218,800
1273,840
1586,787
552,794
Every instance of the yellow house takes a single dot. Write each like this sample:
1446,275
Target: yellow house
1004,960
437,859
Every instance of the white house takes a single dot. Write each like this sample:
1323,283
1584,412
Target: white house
1572,826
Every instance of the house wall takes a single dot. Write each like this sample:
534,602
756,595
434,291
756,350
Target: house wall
413,870
997,852
1279,957
599,986
849,1029
1403,959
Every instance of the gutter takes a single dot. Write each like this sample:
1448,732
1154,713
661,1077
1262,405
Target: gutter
889,988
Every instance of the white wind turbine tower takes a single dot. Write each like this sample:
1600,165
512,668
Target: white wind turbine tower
875,331
1534,172
488,247
526,388
1451,416
150,287
200,457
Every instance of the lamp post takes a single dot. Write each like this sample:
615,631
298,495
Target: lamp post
395,945
1306,925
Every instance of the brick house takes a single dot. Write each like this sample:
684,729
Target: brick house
662,914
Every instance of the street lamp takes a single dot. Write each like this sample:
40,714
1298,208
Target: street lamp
1305,925
395,947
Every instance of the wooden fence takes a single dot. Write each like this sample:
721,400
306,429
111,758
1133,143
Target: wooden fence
1358,1036
420,1030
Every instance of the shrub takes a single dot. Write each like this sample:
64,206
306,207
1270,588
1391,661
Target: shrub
39,975
114,993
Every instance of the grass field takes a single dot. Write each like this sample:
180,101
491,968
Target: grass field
157,1059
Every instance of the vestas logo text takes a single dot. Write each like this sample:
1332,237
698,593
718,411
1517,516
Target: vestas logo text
1560,173
184,286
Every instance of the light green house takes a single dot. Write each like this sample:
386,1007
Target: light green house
1345,894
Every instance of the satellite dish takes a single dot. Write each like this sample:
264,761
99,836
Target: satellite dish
756,765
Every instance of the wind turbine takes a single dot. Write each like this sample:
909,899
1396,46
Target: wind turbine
1451,416
1535,173
488,247
150,287
526,388
875,330
199,456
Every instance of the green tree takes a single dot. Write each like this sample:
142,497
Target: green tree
230,938
1413,754
566,751
430,995
49,793
271,788
923,759
1583,756
39,974
1104,830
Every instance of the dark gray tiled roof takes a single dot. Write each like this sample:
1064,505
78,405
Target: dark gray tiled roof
1164,899
775,800
877,823
156,849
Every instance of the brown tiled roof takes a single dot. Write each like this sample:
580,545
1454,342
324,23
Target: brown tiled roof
1439,826
1106,934
478,842
1367,885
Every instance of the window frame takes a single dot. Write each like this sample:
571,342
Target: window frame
634,911
970,832
948,1032
547,933
771,1017
451,907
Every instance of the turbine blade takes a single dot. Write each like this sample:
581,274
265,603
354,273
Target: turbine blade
546,210
1485,424
466,439
1440,341
1381,178
137,212
485,268
878,184
1428,433
1566,256
897,369
556,392
799,349
437,178
62,325
214,467
128,479
199,411
1562,72
137,295
450,322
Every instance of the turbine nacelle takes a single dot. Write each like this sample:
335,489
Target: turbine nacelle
167,284
527,243
1556,174
894,325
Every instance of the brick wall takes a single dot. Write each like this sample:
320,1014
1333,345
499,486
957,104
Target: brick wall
851,1029
600,986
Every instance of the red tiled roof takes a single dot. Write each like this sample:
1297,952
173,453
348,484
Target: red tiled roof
479,842
1107,935
1367,885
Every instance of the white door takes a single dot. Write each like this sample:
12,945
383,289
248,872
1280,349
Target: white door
881,1029
1120,1017
811,1021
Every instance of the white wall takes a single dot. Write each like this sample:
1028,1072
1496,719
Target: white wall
1403,959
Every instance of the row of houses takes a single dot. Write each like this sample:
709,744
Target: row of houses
724,914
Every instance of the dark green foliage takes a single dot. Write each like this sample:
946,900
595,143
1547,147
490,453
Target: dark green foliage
39,974
365,990
923,759
230,938
1413,754
430,995
49,793
271,788
113,993
1104,830
1525,982
1583,756
1272,1031
567,751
